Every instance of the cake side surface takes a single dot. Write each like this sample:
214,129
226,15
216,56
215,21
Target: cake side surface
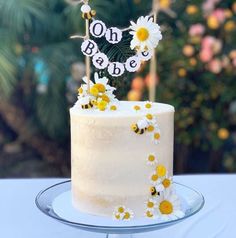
109,160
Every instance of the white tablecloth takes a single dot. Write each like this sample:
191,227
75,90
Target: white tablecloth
19,217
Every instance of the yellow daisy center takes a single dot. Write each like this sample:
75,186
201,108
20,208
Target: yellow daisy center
166,207
151,158
157,136
117,216
148,105
150,204
100,87
80,90
150,128
149,116
166,183
154,177
105,98
113,108
161,170
94,91
137,108
127,216
149,214
142,34
102,105
121,209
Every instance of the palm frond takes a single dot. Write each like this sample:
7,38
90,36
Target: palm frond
20,15
7,70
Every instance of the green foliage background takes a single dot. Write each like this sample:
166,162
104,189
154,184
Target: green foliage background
36,33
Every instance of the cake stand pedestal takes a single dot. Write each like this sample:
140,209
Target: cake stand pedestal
56,202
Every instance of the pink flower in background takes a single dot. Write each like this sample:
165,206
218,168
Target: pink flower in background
219,14
206,55
209,5
210,42
215,66
196,30
207,42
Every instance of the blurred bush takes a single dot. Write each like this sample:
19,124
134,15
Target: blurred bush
41,69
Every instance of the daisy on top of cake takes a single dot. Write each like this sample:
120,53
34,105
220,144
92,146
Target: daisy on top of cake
100,95
146,34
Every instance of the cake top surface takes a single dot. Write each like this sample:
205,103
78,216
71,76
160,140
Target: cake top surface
126,108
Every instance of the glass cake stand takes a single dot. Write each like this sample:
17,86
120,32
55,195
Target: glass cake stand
55,202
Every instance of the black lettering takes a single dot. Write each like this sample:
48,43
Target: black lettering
89,49
115,34
133,64
101,29
100,61
145,53
116,70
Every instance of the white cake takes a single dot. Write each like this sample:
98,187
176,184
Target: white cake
110,166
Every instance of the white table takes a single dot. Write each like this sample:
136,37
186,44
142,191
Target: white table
19,217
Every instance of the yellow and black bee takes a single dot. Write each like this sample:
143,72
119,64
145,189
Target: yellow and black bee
137,130
154,191
87,106
89,15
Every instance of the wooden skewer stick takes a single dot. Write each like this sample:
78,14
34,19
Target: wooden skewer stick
87,58
153,66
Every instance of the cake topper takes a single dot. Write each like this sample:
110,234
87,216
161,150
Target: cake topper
145,33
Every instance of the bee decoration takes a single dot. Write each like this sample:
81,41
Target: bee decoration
86,102
138,130
154,191
140,127
87,106
87,13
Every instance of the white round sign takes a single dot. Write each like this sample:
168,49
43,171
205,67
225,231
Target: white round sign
145,55
89,48
98,29
116,69
100,61
133,64
113,35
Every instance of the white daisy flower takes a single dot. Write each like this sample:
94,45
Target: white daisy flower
151,120
128,215
161,170
150,204
146,34
164,183
121,213
100,83
168,206
82,91
117,216
103,81
148,104
152,159
156,135
153,178
113,105
149,214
